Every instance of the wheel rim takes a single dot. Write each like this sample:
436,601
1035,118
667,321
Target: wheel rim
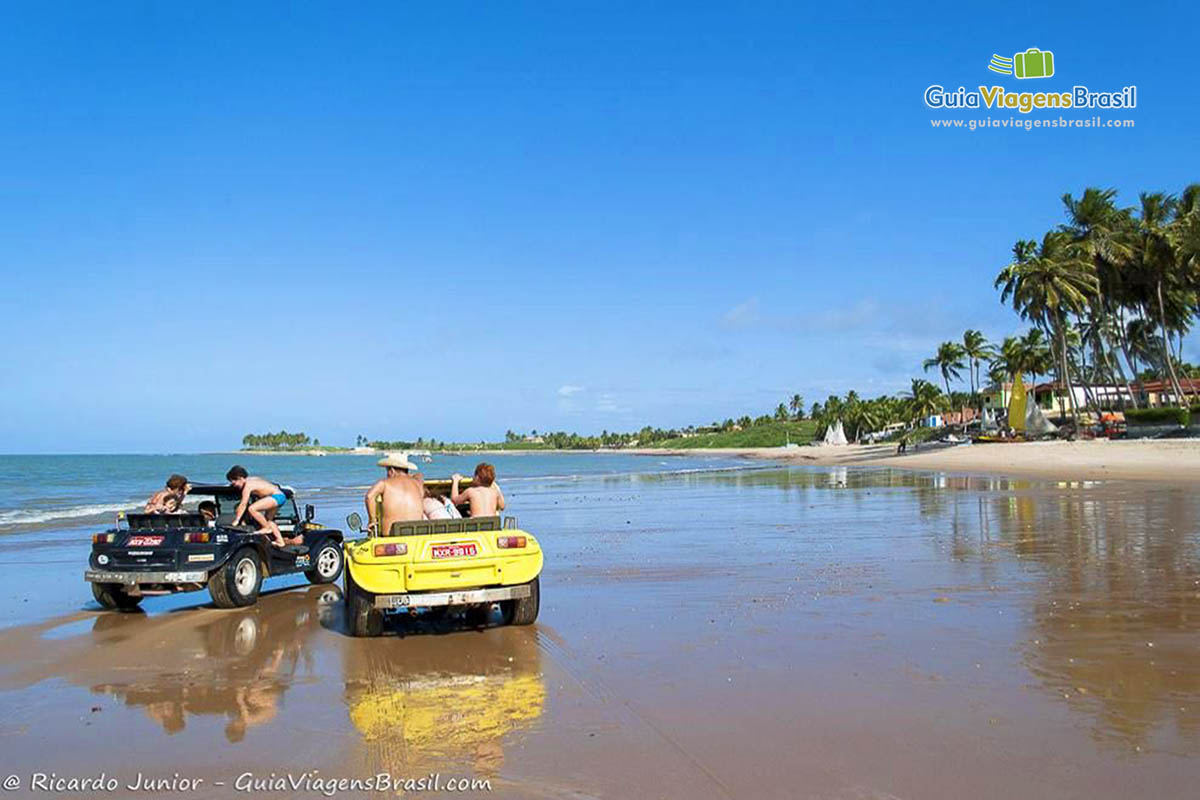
245,576
327,562
245,636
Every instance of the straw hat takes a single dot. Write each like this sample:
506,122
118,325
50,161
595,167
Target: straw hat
397,462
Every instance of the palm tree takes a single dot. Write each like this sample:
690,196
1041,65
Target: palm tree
797,406
1140,335
976,348
1045,283
1036,353
1183,234
948,360
1155,260
1101,230
924,399
1009,361
825,416
867,417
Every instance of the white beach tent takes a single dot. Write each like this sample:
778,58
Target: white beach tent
835,434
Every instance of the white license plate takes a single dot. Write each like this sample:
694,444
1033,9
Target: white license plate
454,550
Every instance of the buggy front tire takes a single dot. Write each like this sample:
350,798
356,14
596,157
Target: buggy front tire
113,597
237,582
327,564
362,617
523,610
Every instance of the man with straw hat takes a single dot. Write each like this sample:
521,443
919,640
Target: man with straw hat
402,491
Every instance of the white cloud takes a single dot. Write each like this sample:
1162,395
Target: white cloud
741,315
566,390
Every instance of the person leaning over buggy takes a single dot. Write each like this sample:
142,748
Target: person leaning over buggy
261,499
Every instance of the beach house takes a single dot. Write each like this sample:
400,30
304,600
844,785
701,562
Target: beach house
1052,398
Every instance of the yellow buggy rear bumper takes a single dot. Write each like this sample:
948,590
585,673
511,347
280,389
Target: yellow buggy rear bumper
451,559
392,602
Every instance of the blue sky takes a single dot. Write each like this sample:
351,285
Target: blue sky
450,219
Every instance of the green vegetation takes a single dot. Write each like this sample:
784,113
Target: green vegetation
279,441
1161,416
770,434
949,360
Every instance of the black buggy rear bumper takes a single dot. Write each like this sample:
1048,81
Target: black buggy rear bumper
135,577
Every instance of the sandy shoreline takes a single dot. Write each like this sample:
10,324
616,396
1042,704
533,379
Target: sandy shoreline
1168,461
1164,460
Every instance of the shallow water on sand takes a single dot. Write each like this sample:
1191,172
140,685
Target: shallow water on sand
843,633
47,493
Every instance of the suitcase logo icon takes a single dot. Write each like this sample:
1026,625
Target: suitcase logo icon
1033,63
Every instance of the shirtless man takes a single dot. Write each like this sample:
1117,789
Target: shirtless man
267,497
485,497
170,499
402,495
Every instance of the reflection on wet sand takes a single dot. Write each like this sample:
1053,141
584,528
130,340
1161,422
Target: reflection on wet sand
443,695
1114,600
250,658
1116,616
443,701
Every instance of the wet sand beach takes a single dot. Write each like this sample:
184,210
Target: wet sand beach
778,632
1161,460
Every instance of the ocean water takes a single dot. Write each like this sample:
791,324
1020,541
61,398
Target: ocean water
41,492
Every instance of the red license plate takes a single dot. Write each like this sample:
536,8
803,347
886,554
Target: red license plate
455,550
144,541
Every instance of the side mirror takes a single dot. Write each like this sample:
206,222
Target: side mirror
354,522
310,511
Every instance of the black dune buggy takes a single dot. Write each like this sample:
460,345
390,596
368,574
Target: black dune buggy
185,552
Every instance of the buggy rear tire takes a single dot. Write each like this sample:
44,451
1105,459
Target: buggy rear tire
362,617
327,564
523,610
236,583
113,597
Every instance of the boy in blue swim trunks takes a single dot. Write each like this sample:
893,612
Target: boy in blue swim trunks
267,497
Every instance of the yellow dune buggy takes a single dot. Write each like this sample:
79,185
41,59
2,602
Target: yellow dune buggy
469,563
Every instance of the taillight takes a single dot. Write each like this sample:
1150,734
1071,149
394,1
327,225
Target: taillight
509,542
390,550
196,538
104,538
